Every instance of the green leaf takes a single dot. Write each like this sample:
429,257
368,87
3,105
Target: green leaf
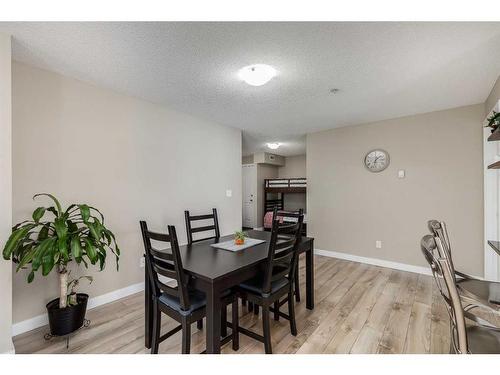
91,251
95,230
85,212
38,214
44,232
48,261
76,247
31,276
40,250
72,227
14,239
58,205
62,233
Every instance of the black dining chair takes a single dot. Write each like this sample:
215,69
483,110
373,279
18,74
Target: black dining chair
276,281
190,230
286,218
180,302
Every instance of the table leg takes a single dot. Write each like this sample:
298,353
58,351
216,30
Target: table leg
148,311
310,276
213,329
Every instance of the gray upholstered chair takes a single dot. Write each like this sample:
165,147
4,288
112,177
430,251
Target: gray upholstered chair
472,289
465,339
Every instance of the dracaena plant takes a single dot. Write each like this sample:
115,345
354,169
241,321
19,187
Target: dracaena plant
55,237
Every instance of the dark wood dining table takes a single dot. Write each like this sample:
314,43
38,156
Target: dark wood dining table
215,270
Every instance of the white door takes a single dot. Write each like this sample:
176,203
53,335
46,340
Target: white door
249,195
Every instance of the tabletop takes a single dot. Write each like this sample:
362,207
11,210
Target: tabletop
207,262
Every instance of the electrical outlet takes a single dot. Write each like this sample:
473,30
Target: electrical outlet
142,262
378,244
229,193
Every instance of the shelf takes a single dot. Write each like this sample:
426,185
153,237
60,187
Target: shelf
495,165
495,136
495,245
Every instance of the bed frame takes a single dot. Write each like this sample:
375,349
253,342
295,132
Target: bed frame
282,186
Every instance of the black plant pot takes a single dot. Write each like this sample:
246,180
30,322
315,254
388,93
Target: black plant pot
69,319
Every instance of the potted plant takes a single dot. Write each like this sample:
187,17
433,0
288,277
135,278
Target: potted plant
239,237
76,234
493,121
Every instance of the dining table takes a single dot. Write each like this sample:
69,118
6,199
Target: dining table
213,271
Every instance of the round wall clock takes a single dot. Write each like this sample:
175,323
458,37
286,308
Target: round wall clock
377,160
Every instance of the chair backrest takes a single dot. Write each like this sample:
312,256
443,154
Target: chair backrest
288,216
283,251
438,229
190,230
165,262
445,281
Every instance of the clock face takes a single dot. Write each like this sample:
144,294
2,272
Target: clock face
376,160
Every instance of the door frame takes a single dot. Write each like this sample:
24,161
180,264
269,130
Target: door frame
254,182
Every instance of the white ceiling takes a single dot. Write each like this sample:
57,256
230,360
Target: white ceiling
383,70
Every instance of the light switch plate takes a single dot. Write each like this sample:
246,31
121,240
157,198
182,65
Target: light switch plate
378,244
401,173
229,193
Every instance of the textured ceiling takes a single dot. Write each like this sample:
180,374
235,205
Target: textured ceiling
383,70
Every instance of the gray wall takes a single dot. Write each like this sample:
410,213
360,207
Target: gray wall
5,192
132,159
350,208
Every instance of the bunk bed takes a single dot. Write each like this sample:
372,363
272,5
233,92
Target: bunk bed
274,194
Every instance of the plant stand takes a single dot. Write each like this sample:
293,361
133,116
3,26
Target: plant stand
48,336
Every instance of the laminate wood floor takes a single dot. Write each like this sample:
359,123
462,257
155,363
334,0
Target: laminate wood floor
358,309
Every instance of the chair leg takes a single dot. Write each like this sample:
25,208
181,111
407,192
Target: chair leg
199,324
223,321
235,325
266,328
243,301
291,313
250,306
277,310
156,328
296,284
186,337
255,309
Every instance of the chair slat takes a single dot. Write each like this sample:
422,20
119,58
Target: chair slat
161,254
159,236
203,229
201,217
164,271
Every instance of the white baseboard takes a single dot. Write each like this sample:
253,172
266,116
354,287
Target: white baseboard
375,262
41,320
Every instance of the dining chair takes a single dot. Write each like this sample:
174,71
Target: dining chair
276,280
480,338
292,217
470,287
285,218
180,302
190,230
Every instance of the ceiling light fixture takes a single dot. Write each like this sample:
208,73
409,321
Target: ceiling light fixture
257,74
273,146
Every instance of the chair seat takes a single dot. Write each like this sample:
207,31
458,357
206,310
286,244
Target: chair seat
483,340
255,285
197,300
487,291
